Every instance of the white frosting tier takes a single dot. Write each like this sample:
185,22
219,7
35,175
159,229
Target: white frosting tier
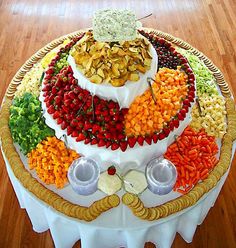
124,95
132,158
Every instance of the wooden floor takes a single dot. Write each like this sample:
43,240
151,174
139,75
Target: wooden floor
26,26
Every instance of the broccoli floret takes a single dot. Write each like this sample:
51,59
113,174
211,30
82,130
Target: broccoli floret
26,122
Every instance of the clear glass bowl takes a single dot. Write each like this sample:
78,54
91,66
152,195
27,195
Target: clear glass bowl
161,175
83,175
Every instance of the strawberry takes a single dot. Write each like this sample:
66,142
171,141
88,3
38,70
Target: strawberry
180,117
80,137
183,60
123,145
176,123
59,120
100,118
67,102
45,94
50,70
65,108
75,134
56,115
161,136
70,70
115,118
166,131
114,146
94,141
87,140
191,93
124,111
132,141
183,112
121,136
68,117
100,136
108,143
51,110
119,126
74,123
107,118
191,88
121,118
186,107
58,99
58,83
171,125
66,97
191,76
87,125
104,113
46,99
101,142
186,102
64,125
48,104
111,105
111,170
95,128
148,140
54,90
189,71
190,98
155,138
113,111
48,77
69,130
97,112
72,106
191,81
107,135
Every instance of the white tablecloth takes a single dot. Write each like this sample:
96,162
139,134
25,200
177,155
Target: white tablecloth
66,231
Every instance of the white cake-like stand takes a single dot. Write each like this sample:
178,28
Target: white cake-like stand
135,157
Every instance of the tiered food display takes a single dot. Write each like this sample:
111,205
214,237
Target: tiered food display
181,116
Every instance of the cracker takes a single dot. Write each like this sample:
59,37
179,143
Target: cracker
114,200
146,214
140,212
128,198
87,216
153,215
140,207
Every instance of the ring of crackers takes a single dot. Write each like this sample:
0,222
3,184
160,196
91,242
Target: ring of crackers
133,202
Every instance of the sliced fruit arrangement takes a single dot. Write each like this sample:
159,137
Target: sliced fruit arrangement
146,116
210,115
26,122
87,118
205,81
112,62
194,155
31,82
51,160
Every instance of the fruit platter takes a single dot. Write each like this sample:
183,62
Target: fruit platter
105,121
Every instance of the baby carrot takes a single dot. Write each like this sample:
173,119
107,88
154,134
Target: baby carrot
195,161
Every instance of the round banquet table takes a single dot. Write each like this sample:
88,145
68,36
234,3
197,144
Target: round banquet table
117,227
66,231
